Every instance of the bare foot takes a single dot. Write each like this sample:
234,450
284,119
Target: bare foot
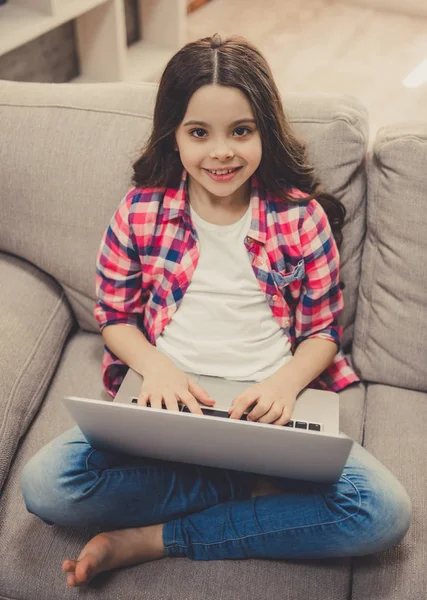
264,486
114,549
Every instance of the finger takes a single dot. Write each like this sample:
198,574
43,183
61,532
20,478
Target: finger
274,414
156,400
260,411
191,402
143,398
171,402
242,405
285,418
237,400
199,393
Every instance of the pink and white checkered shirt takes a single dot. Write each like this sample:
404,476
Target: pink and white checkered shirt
148,255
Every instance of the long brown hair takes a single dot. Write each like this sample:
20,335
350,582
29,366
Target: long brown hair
241,65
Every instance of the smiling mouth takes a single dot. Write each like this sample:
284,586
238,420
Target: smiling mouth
223,171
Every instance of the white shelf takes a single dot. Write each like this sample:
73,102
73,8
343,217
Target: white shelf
67,10
19,25
101,34
145,60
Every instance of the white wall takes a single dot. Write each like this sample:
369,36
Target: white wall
409,7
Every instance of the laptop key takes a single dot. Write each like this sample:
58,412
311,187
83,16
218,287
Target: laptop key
149,403
289,424
314,426
301,425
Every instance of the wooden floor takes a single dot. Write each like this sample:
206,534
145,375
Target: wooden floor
330,46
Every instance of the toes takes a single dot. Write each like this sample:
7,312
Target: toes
71,580
68,565
83,577
84,572
78,573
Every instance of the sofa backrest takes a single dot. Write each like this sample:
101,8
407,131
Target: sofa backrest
66,154
389,341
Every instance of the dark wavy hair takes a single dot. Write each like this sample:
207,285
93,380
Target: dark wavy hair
237,63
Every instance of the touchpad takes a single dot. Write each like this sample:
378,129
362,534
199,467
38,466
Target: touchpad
224,391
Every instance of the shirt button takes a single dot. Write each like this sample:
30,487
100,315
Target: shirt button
287,322
275,298
259,262
249,239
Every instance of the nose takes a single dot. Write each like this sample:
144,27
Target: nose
222,151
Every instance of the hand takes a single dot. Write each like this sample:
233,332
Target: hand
165,381
274,402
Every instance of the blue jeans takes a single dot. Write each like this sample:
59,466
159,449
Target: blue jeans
208,512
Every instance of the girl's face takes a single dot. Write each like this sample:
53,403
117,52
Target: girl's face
218,132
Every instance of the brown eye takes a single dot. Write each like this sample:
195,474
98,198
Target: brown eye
243,129
198,130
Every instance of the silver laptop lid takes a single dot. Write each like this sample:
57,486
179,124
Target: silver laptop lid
217,442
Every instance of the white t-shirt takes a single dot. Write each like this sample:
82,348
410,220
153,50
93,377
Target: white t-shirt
224,326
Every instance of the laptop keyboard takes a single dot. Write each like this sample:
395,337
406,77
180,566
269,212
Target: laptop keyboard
212,412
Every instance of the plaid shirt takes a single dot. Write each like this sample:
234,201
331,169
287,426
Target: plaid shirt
148,255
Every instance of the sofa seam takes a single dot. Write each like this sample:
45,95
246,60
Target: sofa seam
30,357
351,578
365,412
386,142
350,219
77,108
373,197
351,122
54,360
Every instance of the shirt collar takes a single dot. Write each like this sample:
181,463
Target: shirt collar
175,205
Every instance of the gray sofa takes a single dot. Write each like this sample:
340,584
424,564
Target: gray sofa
66,152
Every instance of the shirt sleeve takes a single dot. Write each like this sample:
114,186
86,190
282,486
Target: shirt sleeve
321,300
118,278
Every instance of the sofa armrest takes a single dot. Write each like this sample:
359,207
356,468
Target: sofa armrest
35,321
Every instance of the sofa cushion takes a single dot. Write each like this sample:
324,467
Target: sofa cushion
31,552
75,144
389,341
77,152
395,432
35,319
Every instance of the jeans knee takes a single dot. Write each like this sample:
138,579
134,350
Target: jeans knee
399,507
35,486
385,517
46,490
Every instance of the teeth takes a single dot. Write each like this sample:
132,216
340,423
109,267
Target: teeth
222,172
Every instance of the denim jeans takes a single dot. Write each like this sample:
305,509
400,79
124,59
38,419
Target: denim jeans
208,513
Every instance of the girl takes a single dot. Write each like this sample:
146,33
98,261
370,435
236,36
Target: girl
226,223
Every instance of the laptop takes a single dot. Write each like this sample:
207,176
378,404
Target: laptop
310,447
